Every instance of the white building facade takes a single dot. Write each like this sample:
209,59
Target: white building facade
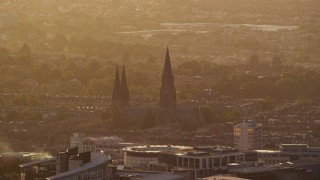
248,136
111,145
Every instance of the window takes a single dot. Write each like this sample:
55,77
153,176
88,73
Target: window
204,163
210,163
197,163
216,162
224,161
180,161
232,159
191,163
237,131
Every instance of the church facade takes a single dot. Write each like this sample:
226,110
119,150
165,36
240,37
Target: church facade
166,112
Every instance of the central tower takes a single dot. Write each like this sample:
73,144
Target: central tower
167,91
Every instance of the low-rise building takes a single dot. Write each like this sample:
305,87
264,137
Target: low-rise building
289,153
222,177
198,162
67,165
142,156
189,162
146,175
109,145
262,171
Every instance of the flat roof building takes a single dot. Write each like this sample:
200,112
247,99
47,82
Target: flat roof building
263,171
190,162
289,153
111,145
67,165
141,156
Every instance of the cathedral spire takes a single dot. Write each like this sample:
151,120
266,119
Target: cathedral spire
116,94
167,91
167,64
124,88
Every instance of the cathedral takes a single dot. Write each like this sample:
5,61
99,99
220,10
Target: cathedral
120,95
166,112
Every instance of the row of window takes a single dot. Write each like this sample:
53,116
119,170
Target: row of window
287,155
207,162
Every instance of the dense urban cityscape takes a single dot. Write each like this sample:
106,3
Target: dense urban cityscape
170,90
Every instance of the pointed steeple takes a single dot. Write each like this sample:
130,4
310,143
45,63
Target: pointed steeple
167,64
124,88
167,91
167,75
116,94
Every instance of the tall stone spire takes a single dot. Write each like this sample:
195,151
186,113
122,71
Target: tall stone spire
116,94
167,91
124,89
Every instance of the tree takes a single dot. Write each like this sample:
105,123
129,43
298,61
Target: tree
125,58
94,66
44,88
151,60
59,42
41,72
2,102
21,100
56,74
106,115
183,95
266,103
99,87
231,115
207,113
286,88
4,52
254,89
192,67
248,43
12,116
62,115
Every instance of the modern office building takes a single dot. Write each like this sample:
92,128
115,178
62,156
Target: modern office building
198,162
67,165
111,145
262,171
189,162
248,136
40,169
9,161
289,153
142,156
